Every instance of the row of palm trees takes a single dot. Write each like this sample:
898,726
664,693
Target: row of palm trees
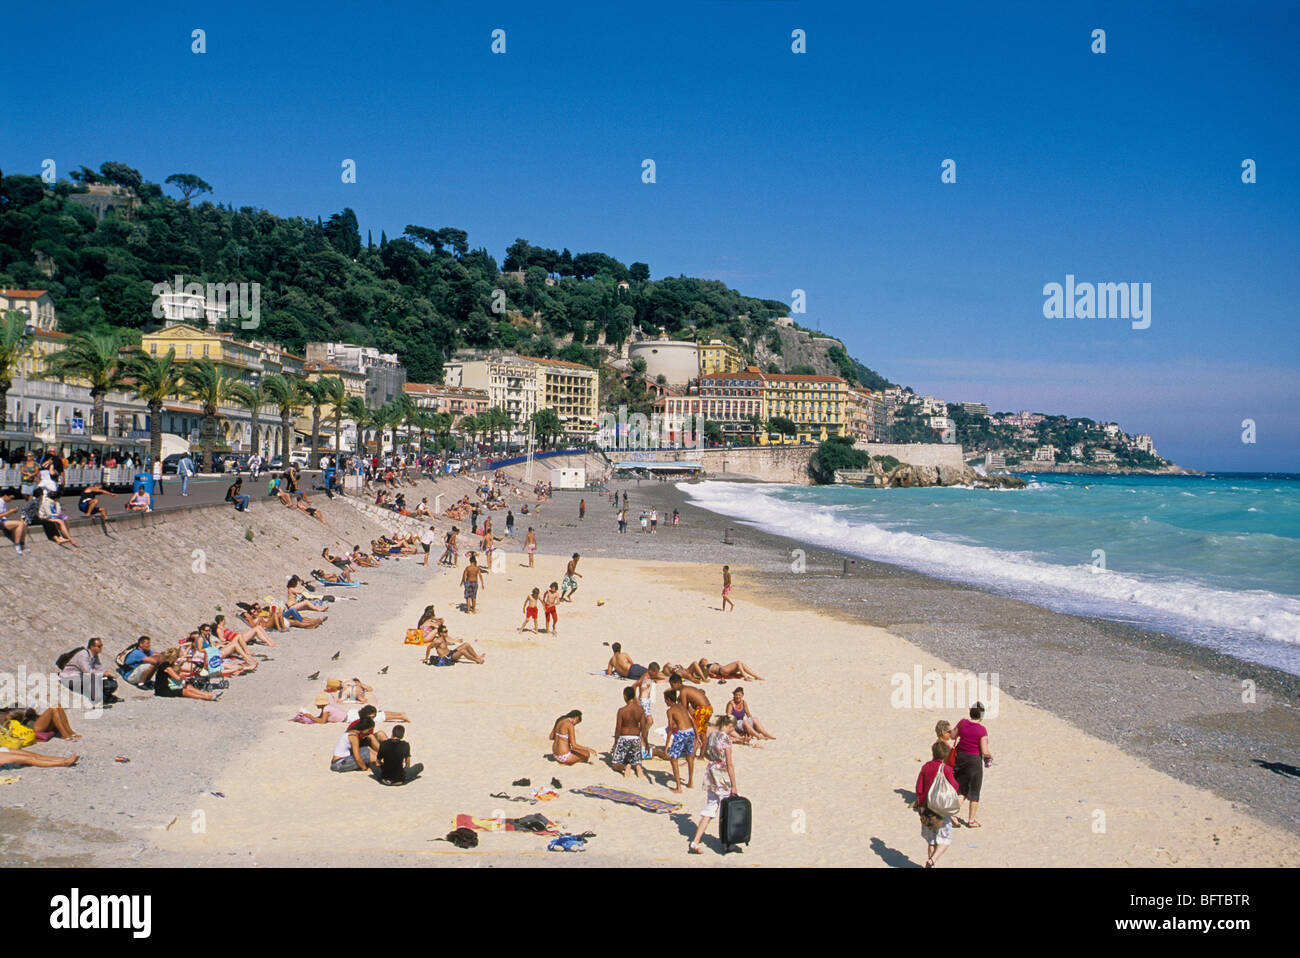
101,360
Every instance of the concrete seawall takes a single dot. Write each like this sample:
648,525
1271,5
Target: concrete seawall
790,463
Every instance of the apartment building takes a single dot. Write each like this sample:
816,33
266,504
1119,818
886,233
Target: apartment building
459,401
817,405
572,390
717,356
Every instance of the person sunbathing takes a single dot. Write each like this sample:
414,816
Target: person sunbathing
304,505
422,510
12,758
429,622
705,670
255,633
296,601
232,649
271,619
343,563
52,723
175,680
440,653
200,648
361,559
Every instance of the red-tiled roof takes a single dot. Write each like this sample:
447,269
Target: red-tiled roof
23,293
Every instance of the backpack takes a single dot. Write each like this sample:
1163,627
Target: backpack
463,838
942,799
120,659
62,661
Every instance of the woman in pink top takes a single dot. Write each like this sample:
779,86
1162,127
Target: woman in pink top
973,756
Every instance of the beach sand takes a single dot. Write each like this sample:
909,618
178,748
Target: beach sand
833,789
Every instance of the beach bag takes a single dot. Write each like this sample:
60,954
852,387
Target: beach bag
120,659
414,637
942,799
16,735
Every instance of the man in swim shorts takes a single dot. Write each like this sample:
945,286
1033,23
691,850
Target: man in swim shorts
631,725
698,704
471,578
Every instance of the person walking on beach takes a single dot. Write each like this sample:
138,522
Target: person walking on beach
510,523
550,601
631,726
681,741
726,589
531,604
530,545
698,704
582,509
654,520
936,828
719,778
973,756
427,539
622,521
569,584
471,579
564,736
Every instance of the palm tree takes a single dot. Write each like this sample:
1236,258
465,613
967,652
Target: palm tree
405,410
355,408
203,382
281,391
441,424
252,399
336,394
13,344
153,380
312,392
96,358
469,427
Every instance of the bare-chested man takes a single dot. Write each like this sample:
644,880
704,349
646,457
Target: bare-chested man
681,740
631,726
698,704
726,589
471,579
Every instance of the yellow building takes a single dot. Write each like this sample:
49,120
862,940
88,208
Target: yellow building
719,357
237,360
572,390
817,405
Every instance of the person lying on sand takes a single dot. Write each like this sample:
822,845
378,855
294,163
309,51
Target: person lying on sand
52,723
296,601
564,738
303,504
361,559
620,663
342,563
255,633
12,758
705,670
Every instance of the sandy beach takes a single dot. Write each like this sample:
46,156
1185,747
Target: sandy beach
238,783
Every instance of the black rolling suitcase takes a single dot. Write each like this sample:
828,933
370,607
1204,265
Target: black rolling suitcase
735,821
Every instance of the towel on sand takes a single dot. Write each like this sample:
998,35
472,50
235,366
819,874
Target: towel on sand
628,798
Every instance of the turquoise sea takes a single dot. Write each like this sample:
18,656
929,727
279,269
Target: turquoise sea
1211,559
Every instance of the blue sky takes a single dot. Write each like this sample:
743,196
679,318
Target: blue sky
775,171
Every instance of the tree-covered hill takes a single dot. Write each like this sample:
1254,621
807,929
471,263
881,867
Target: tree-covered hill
420,295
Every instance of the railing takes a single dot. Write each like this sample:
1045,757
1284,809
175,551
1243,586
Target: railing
75,477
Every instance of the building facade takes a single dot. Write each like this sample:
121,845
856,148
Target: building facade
573,391
817,405
717,356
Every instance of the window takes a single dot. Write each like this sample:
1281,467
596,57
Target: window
153,349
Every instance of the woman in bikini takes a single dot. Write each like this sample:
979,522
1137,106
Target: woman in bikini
255,633
747,725
52,723
706,670
564,736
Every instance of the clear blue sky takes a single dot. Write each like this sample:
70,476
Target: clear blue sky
775,171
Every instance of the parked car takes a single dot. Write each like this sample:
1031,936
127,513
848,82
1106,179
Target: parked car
172,463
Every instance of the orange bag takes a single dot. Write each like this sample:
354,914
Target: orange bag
414,637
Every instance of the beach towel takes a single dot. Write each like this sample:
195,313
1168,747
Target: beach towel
628,798
546,826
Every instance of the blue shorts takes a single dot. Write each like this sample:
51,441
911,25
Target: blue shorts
683,743
293,614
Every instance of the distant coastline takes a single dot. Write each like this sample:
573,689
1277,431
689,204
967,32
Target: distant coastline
1080,469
